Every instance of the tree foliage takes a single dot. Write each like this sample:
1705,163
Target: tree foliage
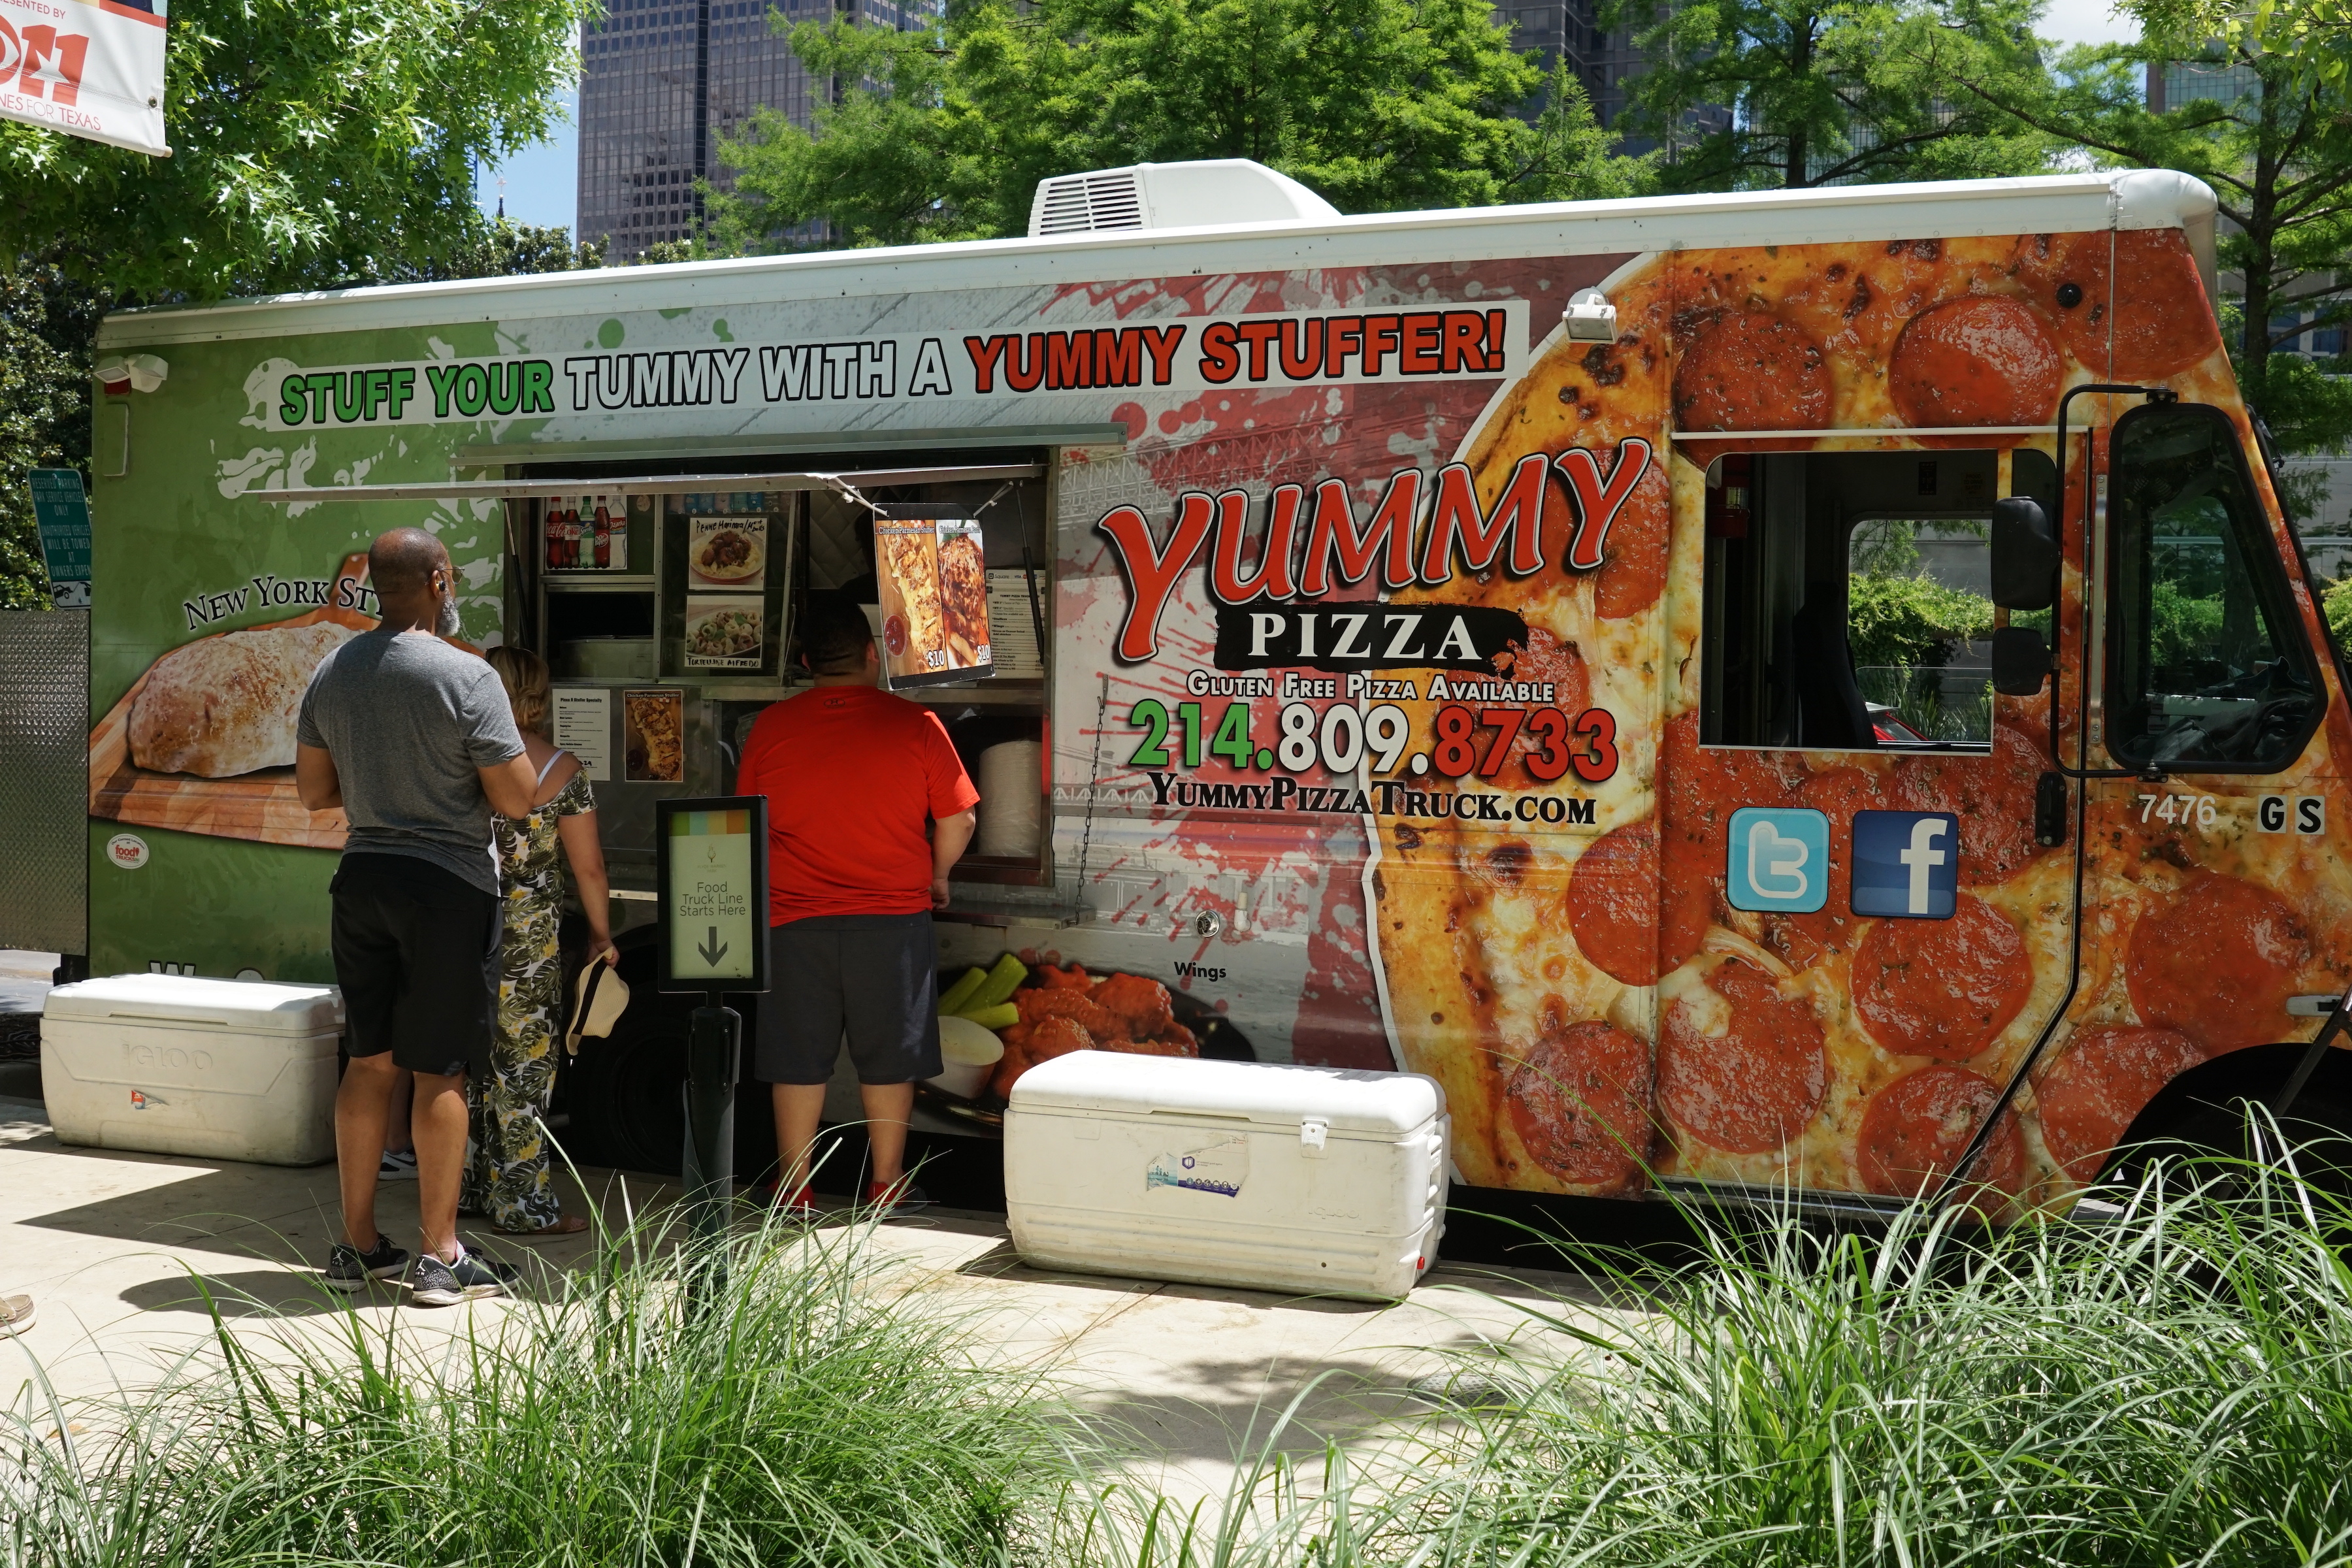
1913,621
1763,94
48,332
319,139
1380,106
47,323
2278,156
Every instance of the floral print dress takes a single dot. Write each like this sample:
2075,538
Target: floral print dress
506,1176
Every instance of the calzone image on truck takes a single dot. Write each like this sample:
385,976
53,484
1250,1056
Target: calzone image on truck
1750,692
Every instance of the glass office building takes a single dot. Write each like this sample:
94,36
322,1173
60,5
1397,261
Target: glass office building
663,80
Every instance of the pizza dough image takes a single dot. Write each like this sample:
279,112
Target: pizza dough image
1580,1105
1740,1064
1915,1131
2106,1077
227,705
1941,988
2218,962
1979,360
1819,1047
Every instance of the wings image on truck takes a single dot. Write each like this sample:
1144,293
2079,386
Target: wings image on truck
1761,691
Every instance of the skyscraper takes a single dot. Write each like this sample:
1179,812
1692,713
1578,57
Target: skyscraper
1603,59
662,80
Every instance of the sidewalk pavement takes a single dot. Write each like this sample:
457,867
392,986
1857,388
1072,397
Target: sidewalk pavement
113,1245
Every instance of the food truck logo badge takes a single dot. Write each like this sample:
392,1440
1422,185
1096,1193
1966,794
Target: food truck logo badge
1408,545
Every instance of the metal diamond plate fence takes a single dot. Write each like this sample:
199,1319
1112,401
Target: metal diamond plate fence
43,780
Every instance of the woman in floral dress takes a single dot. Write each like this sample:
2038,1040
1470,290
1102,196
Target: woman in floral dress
506,1176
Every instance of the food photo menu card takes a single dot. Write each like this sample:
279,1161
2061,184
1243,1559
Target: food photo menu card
933,576
727,541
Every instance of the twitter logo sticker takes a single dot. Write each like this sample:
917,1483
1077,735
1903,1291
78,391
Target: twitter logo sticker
1780,860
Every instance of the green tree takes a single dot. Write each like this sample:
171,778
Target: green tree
49,329
323,138
2278,155
47,323
1770,94
1911,622
1382,106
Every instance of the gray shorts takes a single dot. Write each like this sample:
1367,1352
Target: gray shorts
873,977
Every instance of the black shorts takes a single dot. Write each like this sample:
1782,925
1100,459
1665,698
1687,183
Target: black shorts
416,953
874,976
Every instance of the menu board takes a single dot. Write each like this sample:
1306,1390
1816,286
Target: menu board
932,572
726,564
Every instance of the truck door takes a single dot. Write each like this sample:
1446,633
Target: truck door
1864,937
2215,879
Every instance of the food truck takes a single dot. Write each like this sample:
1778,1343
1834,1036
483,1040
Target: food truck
1448,641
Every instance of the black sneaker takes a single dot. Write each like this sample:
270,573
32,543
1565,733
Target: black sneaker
439,1284
348,1267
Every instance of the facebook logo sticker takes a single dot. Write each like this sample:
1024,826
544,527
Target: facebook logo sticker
1780,860
1906,864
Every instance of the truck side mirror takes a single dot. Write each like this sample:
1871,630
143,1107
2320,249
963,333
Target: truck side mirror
2025,555
2021,661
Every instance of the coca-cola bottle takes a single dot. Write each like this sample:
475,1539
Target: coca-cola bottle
571,535
553,528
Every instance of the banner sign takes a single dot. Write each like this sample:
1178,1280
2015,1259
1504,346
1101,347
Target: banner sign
91,69
1256,352
62,513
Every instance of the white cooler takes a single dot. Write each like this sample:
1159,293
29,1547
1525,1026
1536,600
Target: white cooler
1320,1181
171,1064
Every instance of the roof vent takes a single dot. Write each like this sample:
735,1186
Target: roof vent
1214,192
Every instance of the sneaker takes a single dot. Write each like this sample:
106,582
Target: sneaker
439,1284
348,1267
901,1196
397,1165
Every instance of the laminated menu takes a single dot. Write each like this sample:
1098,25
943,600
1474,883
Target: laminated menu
933,576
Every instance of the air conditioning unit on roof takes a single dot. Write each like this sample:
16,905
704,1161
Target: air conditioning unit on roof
1209,194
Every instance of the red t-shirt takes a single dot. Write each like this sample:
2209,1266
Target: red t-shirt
853,776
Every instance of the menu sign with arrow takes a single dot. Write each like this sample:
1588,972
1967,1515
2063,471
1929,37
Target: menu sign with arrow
713,874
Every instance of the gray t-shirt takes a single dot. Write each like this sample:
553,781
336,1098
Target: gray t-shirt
408,719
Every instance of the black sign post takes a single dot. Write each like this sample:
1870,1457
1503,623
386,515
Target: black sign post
711,859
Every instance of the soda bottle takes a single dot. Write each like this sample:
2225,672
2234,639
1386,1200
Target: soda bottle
571,535
603,536
553,512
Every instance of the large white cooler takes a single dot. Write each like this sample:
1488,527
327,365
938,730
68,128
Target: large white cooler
1312,1180
171,1064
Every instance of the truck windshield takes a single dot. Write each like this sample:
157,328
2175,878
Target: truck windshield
2208,665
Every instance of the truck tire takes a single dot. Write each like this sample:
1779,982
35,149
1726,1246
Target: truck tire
2205,1111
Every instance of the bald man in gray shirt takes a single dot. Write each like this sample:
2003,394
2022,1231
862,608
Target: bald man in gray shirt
414,738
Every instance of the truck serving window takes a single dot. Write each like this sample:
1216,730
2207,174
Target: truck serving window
2207,663
1847,602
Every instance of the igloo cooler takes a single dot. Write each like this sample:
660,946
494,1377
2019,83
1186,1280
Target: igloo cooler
171,1064
1306,1180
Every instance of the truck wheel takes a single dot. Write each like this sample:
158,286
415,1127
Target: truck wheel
625,1109
2205,1111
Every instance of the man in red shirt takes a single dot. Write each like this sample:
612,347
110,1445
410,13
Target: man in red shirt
868,807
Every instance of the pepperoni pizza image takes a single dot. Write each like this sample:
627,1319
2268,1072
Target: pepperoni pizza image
1599,1007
